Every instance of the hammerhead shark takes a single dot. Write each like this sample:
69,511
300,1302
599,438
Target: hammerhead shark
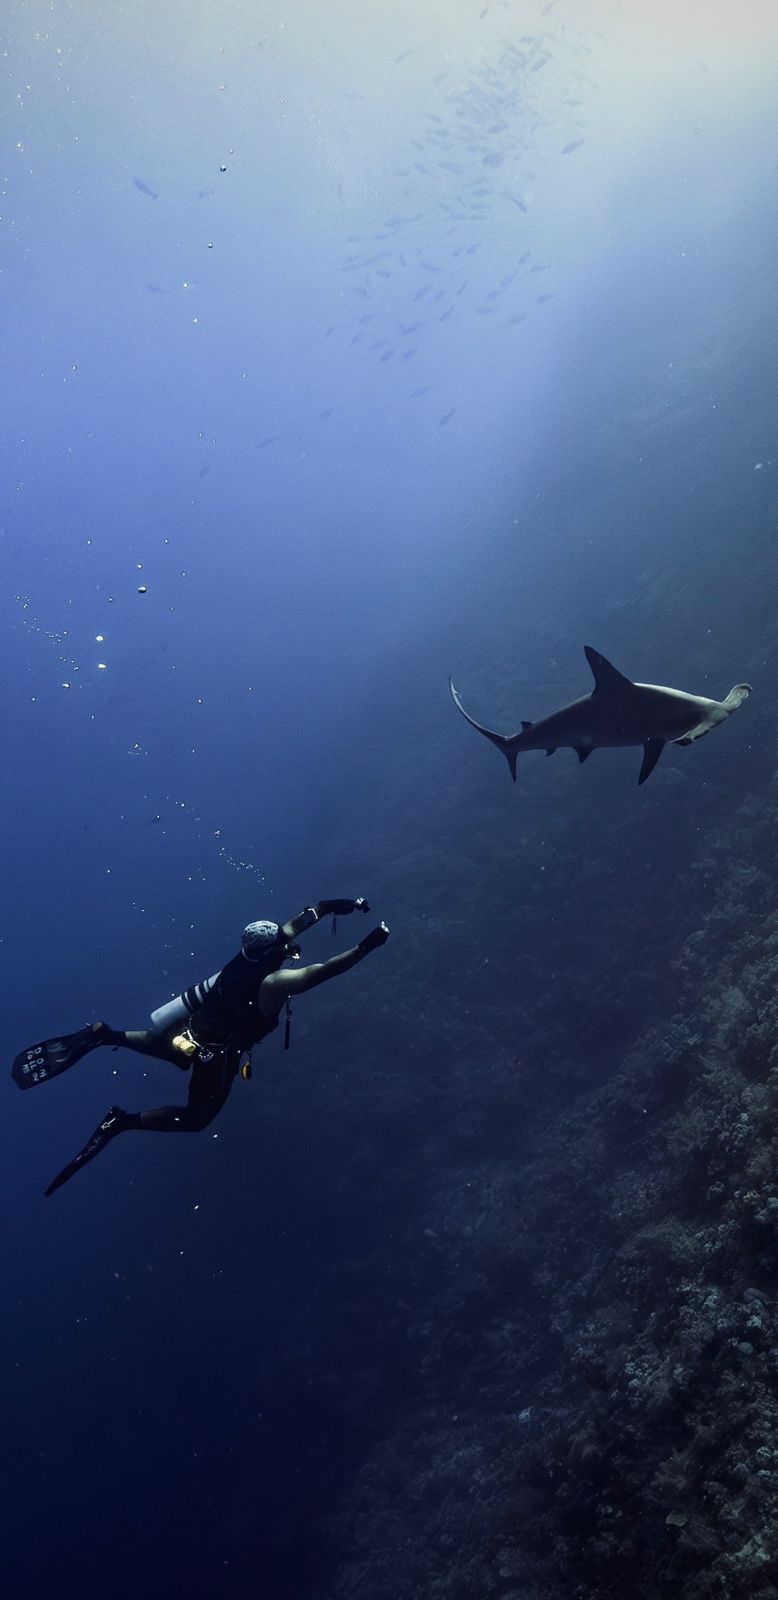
617,712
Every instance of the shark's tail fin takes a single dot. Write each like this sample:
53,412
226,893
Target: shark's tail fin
509,746
736,696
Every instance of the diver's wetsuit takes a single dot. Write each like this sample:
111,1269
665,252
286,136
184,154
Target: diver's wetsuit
220,1031
211,1079
214,1070
227,1024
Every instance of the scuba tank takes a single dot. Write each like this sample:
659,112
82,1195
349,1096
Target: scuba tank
178,1010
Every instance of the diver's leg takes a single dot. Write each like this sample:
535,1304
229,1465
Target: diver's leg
209,1087
148,1043
177,1119
208,1090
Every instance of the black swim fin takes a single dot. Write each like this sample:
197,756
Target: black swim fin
53,1056
115,1121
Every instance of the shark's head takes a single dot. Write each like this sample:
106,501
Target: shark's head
736,697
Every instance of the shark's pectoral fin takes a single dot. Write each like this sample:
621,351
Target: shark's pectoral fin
583,752
652,750
696,733
551,751
508,746
607,678
526,725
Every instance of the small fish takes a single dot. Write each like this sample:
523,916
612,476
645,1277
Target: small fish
575,144
144,189
446,418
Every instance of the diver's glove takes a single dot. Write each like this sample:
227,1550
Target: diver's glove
375,938
341,908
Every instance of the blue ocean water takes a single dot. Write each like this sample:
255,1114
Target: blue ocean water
348,347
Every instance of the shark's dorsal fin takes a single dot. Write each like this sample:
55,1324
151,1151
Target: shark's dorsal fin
607,679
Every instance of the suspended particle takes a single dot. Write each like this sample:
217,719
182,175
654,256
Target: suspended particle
142,588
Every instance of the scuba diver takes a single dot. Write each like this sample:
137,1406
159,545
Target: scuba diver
210,1029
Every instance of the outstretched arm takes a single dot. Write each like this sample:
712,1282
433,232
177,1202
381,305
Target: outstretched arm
281,985
310,915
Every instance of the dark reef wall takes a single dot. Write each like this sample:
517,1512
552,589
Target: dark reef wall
540,1353
559,1121
516,1232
